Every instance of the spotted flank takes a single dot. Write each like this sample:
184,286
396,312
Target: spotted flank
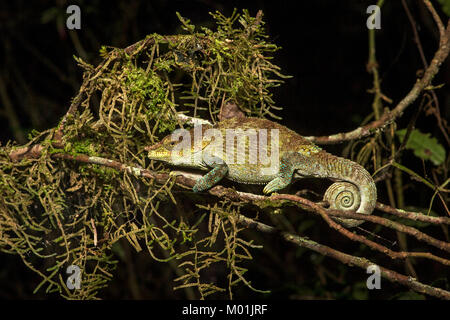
265,152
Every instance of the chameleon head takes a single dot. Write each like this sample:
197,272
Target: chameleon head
165,151
177,149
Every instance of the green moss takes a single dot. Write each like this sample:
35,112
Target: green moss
267,203
145,85
124,103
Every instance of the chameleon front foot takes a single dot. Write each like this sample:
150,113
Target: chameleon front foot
211,178
275,185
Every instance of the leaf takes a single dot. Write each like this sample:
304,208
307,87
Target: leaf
424,146
445,6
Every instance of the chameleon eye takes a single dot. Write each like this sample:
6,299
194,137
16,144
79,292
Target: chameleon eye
171,144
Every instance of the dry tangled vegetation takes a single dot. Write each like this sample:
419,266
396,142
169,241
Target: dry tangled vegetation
71,193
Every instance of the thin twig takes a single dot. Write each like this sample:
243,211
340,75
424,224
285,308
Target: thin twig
347,259
189,181
355,237
388,117
437,112
417,216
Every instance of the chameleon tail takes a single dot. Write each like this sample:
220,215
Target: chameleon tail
355,189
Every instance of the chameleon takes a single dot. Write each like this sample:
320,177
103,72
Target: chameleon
239,149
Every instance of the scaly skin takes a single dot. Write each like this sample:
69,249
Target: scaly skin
297,158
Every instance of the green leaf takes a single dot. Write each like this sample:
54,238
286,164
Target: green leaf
445,6
424,146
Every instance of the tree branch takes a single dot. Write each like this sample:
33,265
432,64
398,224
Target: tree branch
387,118
347,259
188,180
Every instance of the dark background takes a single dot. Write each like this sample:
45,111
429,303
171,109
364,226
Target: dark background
324,47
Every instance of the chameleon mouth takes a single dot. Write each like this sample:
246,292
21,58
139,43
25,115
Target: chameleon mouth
157,154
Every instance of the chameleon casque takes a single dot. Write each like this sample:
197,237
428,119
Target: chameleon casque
232,149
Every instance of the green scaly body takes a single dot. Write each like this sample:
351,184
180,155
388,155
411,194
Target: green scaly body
239,159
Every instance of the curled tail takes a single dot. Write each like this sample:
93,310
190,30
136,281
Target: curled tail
355,189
